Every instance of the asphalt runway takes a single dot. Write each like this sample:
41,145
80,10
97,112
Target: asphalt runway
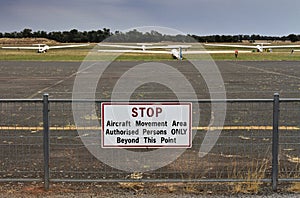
242,79
244,145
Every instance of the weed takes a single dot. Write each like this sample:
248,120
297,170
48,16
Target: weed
252,179
295,187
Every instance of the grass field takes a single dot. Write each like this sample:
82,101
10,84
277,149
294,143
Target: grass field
79,54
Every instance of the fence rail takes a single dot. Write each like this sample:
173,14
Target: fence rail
39,142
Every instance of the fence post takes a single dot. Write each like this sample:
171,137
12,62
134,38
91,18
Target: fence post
46,140
275,142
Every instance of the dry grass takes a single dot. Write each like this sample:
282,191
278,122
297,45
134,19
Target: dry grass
191,188
135,186
252,178
295,187
26,41
293,159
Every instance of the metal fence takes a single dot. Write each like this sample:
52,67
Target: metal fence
39,142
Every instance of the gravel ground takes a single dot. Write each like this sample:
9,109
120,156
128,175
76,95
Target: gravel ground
143,190
91,195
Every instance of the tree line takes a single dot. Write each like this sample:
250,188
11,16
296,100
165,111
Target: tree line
250,38
72,36
95,36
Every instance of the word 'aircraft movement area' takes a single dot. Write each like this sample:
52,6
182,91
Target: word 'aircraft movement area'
43,48
259,47
177,51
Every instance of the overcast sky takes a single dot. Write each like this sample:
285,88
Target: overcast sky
201,17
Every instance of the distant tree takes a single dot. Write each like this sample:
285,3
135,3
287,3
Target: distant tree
218,38
293,37
26,33
255,37
226,38
57,36
74,36
6,35
236,38
92,36
40,34
106,32
84,37
246,37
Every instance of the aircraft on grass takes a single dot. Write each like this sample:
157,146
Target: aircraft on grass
42,48
177,51
260,47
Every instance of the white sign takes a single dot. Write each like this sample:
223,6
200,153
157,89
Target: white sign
145,125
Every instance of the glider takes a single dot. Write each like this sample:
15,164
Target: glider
259,47
42,48
175,50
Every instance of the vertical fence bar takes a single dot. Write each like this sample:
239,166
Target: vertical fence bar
275,142
46,140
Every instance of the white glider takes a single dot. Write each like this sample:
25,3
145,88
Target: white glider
42,48
175,50
259,47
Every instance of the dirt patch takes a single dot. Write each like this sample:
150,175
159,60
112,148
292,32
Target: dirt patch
26,41
138,189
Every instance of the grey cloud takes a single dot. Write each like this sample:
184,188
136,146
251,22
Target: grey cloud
269,17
